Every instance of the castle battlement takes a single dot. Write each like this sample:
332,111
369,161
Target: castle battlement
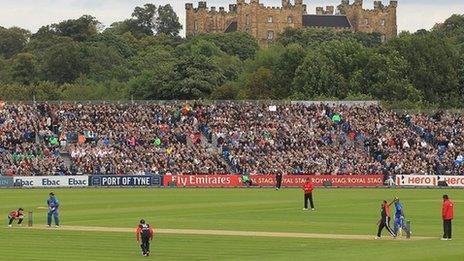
378,5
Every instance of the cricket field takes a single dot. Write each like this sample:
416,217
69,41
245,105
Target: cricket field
228,224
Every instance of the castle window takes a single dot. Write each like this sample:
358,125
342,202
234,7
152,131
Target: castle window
382,22
248,19
270,19
383,38
270,35
290,20
366,21
195,26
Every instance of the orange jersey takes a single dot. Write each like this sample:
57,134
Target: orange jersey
308,187
144,230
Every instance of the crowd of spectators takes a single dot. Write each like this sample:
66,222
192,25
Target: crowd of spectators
445,132
226,137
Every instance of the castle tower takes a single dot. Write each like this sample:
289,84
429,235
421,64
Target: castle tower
381,19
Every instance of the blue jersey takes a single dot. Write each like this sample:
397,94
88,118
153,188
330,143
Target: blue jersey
53,203
398,208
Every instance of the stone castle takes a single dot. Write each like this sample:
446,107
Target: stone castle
265,23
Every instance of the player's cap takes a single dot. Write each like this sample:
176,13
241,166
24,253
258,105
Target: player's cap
20,209
51,194
142,221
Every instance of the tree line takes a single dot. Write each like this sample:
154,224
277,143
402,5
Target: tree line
144,58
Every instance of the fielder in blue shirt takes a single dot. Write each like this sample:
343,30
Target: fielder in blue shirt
53,205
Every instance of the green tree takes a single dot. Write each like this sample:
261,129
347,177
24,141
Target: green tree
101,60
80,29
167,21
385,78
317,76
25,69
259,85
146,17
153,85
433,67
64,63
239,44
13,41
311,38
196,77
284,70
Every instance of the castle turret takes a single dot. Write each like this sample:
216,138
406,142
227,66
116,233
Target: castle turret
394,3
202,5
233,8
330,9
285,3
378,5
298,2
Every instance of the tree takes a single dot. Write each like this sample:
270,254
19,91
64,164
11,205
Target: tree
433,67
24,69
80,29
195,77
259,85
385,78
311,38
284,70
123,47
167,21
64,63
146,17
101,60
141,24
127,26
13,41
239,44
154,84
317,76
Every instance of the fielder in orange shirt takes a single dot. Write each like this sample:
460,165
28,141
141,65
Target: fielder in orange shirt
145,233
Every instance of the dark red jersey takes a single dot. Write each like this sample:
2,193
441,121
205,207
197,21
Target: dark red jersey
144,230
15,214
308,187
447,210
385,210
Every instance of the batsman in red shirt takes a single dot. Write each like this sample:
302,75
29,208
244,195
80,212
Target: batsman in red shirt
308,194
15,215
145,232
447,214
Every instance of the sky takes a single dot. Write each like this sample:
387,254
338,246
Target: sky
32,14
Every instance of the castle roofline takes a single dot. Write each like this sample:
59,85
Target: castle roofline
326,20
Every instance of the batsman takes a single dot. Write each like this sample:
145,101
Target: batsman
53,205
400,223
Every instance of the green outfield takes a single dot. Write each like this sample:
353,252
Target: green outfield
339,211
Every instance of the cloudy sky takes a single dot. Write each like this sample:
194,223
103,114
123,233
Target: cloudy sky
31,14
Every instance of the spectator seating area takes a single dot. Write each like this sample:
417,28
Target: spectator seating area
226,137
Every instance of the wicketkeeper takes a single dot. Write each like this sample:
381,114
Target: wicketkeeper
15,215
144,232
53,205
